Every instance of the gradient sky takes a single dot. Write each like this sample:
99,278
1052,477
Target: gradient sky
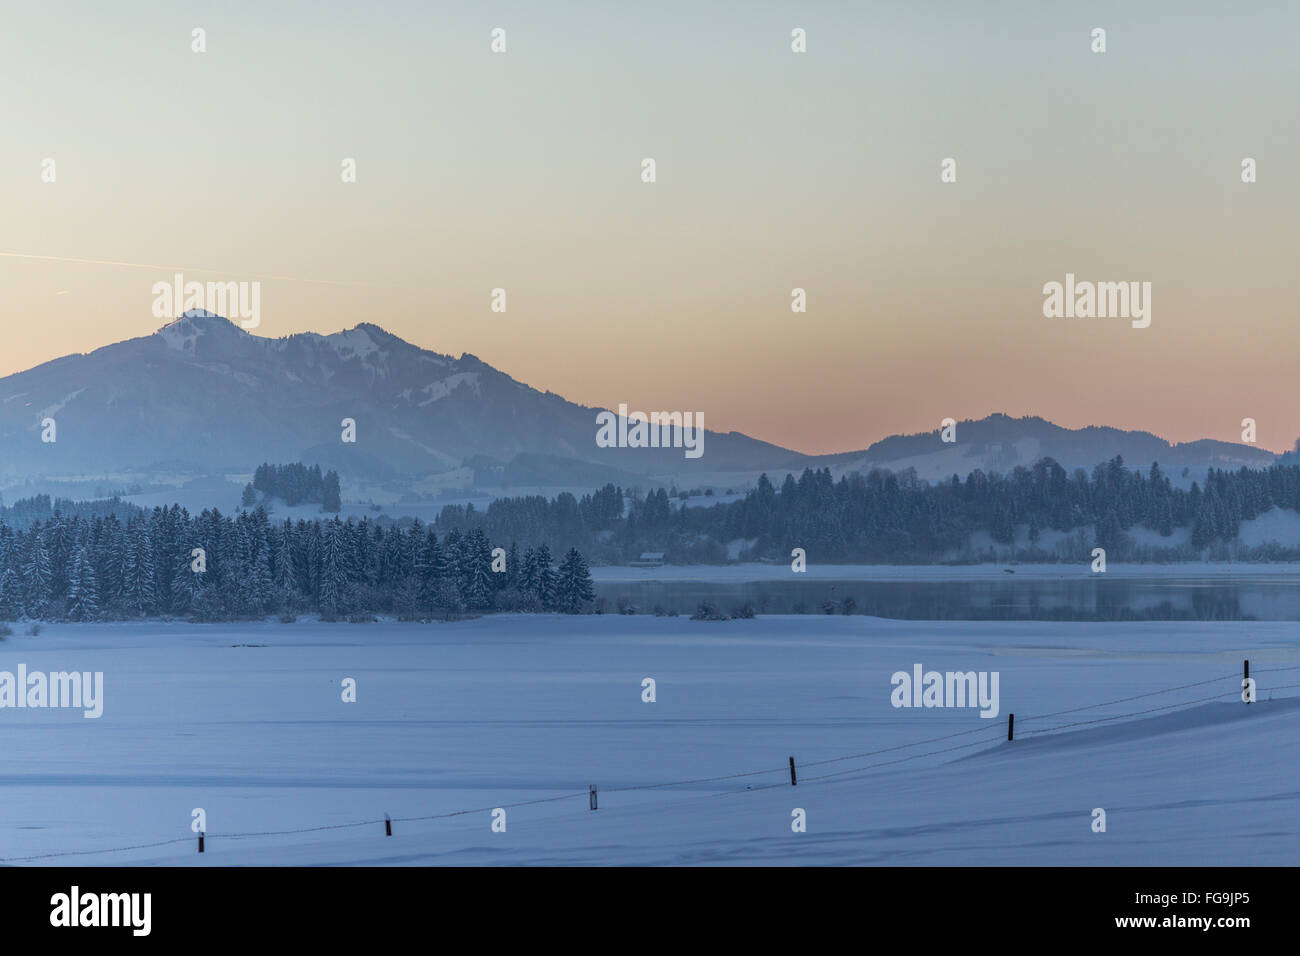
775,170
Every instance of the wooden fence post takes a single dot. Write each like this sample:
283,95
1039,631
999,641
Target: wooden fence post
591,796
1245,674
200,841
388,825
1011,726
793,781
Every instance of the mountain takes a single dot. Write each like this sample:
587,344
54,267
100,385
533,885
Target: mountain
999,443
203,391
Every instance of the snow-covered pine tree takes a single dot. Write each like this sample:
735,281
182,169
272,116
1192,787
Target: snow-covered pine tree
478,560
143,597
83,595
513,570
406,600
333,580
260,585
545,576
528,572
107,556
573,589
11,583
162,540
58,548
313,550
389,547
286,579
447,598
185,584
11,594
434,570
452,550
331,500
36,574
413,550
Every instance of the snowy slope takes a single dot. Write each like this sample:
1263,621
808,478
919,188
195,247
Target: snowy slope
203,390
499,711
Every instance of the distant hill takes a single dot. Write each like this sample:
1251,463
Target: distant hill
999,443
201,395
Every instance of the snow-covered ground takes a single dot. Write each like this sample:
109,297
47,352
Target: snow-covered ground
247,722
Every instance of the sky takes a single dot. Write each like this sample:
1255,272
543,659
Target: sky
775,170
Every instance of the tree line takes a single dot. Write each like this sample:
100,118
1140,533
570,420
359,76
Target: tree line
220,567
887,517
135,558
296,484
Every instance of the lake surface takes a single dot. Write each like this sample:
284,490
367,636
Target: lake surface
1094,598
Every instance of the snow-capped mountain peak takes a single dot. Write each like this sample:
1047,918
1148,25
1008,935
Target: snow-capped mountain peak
203,390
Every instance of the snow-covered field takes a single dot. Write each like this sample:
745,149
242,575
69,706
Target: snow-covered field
502,710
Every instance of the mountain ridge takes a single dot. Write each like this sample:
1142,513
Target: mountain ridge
202,389
416,409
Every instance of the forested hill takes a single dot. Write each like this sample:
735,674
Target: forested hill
882,517
106,557
26,511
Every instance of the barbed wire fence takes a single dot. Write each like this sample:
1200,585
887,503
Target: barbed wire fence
786,771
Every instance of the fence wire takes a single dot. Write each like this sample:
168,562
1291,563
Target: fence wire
783,770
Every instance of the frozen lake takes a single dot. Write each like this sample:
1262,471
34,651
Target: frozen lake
1055,592
247,723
